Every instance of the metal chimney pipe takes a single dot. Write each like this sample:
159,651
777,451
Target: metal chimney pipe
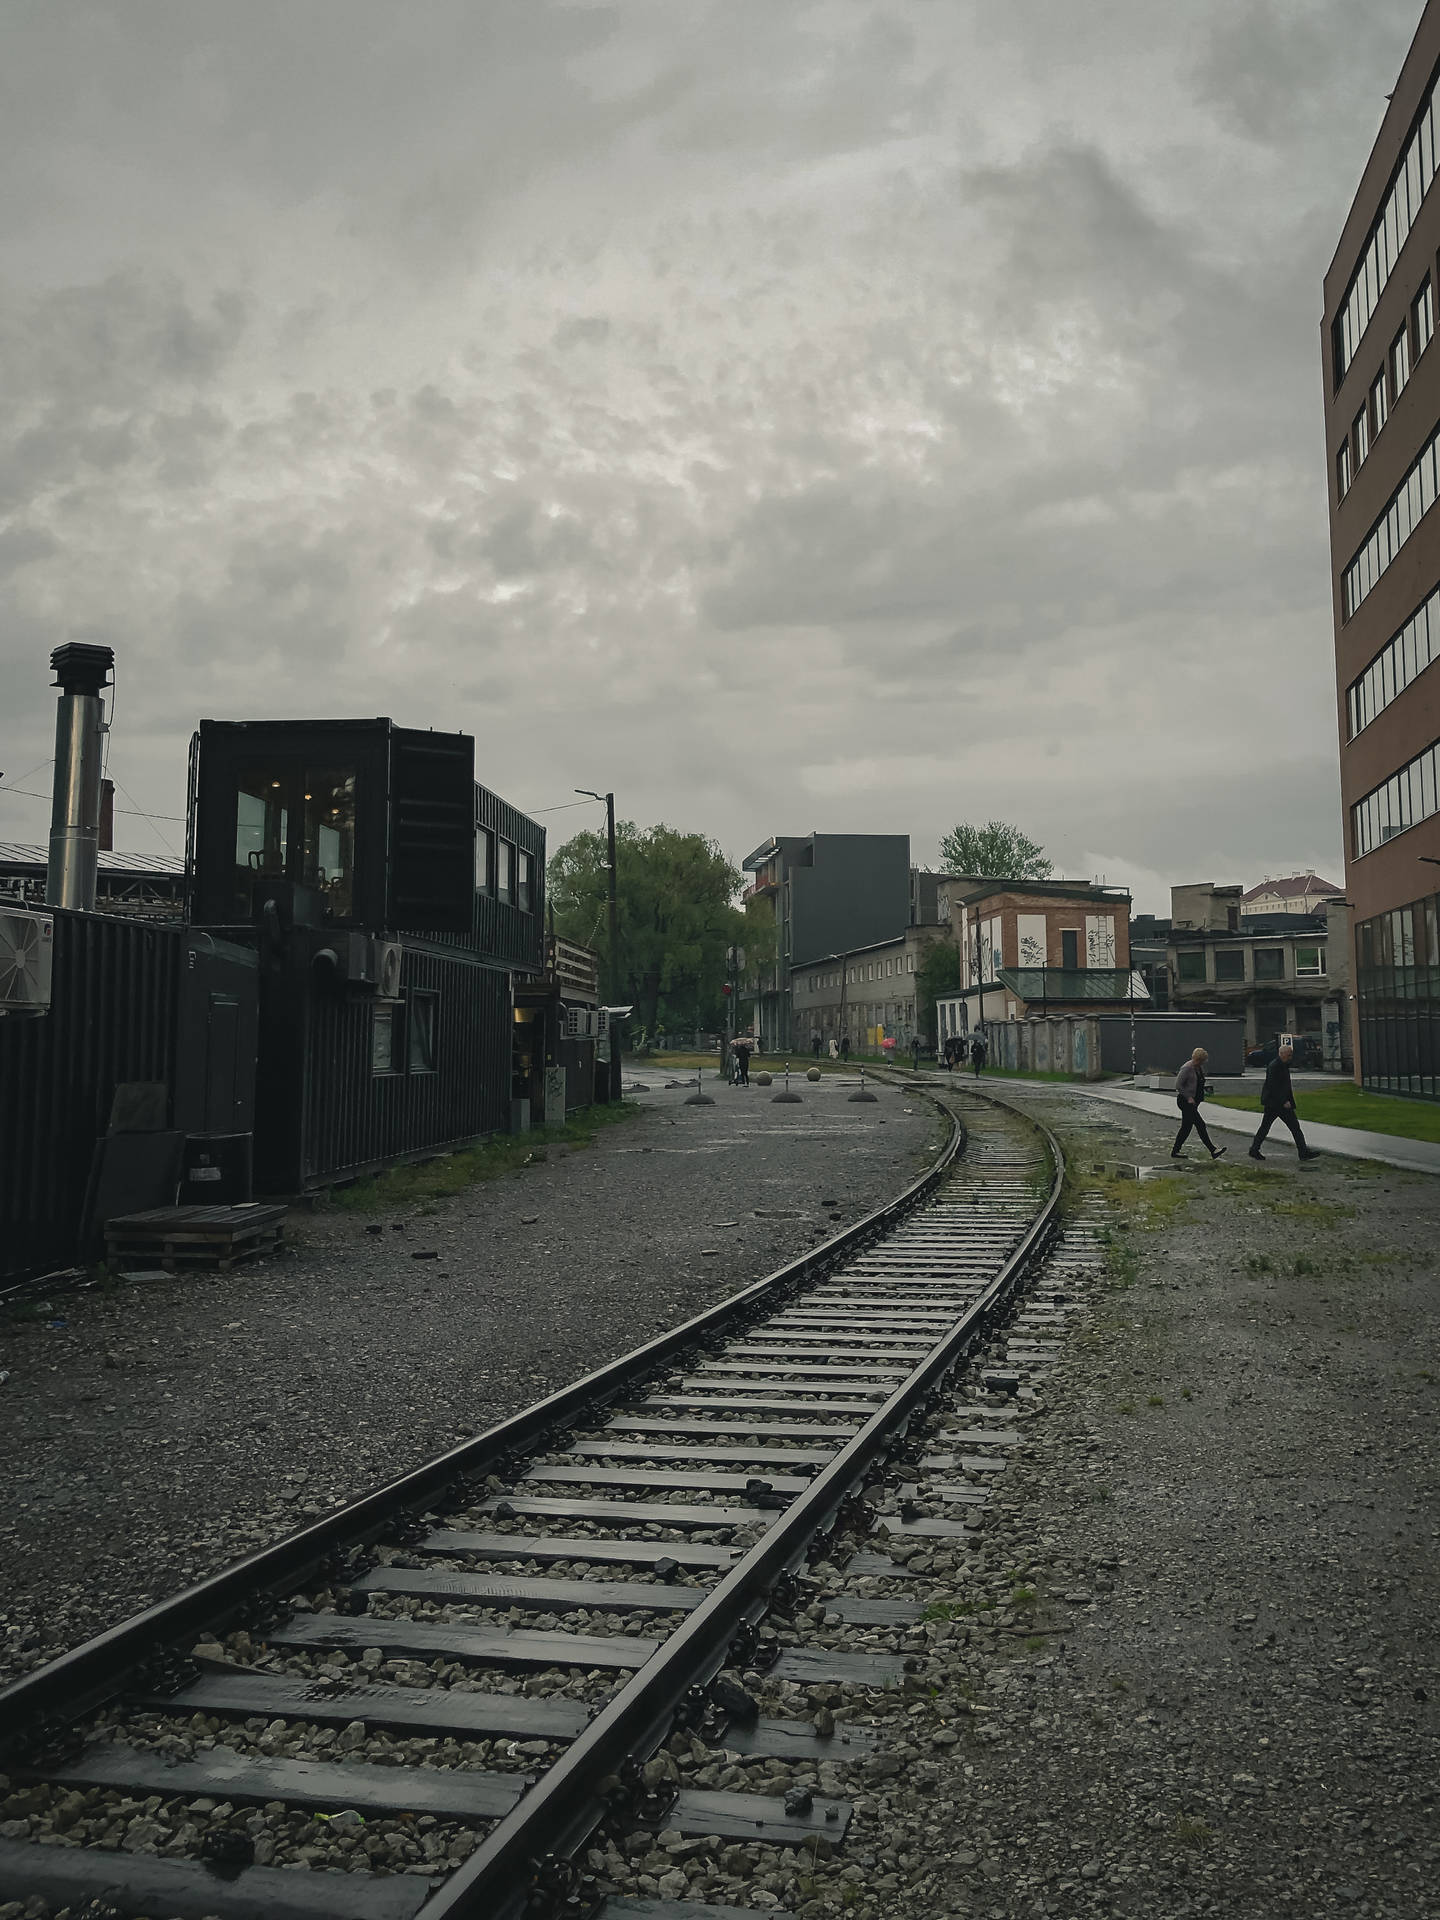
80,673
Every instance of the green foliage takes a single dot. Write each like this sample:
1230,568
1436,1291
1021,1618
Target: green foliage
938,973
995,851
676,919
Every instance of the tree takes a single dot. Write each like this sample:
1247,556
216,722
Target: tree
994,852
675,912
938,973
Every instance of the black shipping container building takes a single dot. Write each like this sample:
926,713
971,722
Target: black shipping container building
392,902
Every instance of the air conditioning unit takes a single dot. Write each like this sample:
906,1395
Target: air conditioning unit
389,956
27,952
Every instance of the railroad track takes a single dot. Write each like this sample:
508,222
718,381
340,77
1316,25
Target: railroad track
600,1619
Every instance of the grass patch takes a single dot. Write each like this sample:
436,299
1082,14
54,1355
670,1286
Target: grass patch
949,1609
1022,1598
453,1173
1347,1105
1156,1400
1314,1209
1127,1406
1189,1831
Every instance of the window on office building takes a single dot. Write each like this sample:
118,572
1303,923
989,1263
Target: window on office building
1344,471
1362,435
1378,400
1424,314
1400,362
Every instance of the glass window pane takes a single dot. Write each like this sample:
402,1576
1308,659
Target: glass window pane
1392,234
264,802
1427,784
1427,484
1402,518
503,869
1413,188
1412,490
1427,154
1407,654
420,1033
522,880
382,1040
330,838
482,859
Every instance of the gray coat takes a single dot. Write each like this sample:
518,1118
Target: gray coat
1188,1082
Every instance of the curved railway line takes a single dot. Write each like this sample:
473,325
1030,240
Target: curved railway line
443,1698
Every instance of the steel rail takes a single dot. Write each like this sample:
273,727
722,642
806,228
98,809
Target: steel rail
564,1807
92,1674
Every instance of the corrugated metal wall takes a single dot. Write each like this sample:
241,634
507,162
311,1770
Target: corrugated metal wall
112,1019
356,1118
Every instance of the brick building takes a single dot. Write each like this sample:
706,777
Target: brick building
1382,430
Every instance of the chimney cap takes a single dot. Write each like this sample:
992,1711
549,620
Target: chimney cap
81,669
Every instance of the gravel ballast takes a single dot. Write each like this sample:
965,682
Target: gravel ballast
1190,1670
165,1428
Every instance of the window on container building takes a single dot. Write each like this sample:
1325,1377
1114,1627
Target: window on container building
1424,312
523,892
504,867
1378,400
1400,362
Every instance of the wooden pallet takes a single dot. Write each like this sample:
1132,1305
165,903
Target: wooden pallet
198,1236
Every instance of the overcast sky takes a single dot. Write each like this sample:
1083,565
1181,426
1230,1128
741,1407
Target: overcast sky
842,416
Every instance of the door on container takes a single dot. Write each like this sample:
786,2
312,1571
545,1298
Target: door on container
224,1098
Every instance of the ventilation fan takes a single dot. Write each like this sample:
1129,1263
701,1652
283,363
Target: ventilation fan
27,947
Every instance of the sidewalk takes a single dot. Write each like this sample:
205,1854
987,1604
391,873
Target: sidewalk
1352,1143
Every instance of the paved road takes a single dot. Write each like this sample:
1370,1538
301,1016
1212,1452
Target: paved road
1353,1143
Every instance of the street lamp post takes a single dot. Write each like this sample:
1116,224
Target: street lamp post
607,800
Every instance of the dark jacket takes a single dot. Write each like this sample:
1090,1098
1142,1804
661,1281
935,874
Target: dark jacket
1278,1092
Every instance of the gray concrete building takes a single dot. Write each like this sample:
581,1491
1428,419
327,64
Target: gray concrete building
1281,973
815,896
867,993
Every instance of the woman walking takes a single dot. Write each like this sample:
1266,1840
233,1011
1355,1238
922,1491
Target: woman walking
1189,1092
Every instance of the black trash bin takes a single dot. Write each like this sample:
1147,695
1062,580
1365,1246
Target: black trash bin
216,1170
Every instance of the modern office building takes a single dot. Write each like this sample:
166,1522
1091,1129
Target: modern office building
1382,424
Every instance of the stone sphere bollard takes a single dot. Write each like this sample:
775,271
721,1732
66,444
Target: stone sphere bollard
812,1073
762,1079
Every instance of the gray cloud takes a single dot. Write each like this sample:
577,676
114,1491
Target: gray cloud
861,416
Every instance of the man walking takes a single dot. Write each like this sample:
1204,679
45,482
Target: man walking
1189,1092
979,1047
740,1053
1278,1100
